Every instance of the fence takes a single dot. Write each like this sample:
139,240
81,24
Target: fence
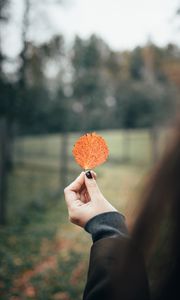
44,164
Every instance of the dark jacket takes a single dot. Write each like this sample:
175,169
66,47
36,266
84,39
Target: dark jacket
116,267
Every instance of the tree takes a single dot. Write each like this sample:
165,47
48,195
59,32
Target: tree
136,64
4,87
89,82
25,101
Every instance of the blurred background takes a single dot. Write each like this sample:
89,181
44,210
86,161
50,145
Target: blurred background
69,67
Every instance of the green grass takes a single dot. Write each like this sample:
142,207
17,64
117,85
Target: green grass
40,147
36,177
39,240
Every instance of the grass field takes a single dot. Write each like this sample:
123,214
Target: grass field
43,256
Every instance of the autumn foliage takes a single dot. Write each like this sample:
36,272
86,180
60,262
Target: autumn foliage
90,150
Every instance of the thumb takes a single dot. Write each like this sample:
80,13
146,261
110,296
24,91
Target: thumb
91,185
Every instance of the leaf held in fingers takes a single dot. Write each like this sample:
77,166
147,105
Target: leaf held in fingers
90,150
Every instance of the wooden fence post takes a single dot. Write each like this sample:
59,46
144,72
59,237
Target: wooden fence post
64,160
3,170
154,135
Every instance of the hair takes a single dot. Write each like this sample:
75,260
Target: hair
157,227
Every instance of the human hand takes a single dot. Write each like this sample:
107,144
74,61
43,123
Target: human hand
85,200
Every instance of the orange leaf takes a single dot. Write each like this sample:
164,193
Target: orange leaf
90,151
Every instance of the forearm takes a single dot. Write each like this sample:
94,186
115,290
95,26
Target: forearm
116,268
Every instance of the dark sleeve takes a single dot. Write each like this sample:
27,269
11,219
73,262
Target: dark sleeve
116,267
106,225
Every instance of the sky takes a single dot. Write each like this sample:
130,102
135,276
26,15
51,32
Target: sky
123,24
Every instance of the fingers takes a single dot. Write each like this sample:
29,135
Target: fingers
83,196
91,185
83,187
77,183
71,190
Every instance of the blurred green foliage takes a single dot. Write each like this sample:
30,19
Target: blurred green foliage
87,86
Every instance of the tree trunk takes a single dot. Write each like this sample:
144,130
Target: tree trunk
3,170
154,135
64,160
10,145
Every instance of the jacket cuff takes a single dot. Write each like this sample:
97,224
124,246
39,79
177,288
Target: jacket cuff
108,224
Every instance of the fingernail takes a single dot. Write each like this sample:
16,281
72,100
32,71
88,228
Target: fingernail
89,175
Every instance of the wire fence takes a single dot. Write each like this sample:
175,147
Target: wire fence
39,165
